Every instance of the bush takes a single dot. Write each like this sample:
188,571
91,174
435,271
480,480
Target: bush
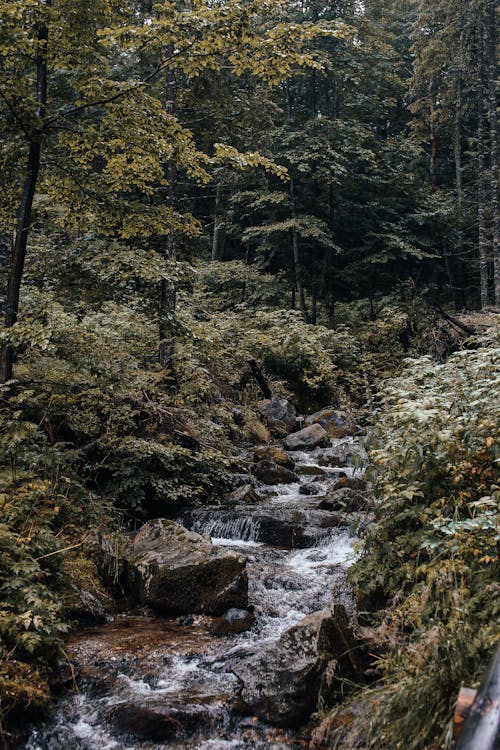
433,551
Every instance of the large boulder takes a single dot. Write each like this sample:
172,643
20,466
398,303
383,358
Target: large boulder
232,621
279,415
274,453
307,439
178,572
337,423
281,683
272,473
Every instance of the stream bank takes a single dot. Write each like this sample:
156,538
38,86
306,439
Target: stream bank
150,682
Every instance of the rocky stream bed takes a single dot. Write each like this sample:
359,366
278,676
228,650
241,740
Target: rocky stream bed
250,676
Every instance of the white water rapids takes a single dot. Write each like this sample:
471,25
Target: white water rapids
195,677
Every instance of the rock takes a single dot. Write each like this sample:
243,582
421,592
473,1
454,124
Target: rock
256,432
233,621
281,683
158,723
307,439
345,499
238,417
244,494
310,489
178,572
352,483
84,607
337,423
271,473
279,415
274,453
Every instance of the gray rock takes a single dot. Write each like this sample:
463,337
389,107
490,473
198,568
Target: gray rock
307,439
279,415
244,494
337,423
232,621
281,683
274,453
310,489
272,473
179,572
352,483
345,499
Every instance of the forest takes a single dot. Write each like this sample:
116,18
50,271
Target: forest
249,372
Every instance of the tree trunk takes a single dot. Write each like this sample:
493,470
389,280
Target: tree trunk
433,142
168,296
457,153
492,107
481,192
25,209
215,235
297,266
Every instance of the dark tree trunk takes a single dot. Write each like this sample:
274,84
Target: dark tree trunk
25,209
215,235
168,297
481,192
457,153
492,108
297,265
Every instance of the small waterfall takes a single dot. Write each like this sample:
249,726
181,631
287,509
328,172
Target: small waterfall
245,528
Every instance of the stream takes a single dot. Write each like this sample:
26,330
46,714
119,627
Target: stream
132,668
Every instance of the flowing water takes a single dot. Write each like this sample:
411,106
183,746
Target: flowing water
141,678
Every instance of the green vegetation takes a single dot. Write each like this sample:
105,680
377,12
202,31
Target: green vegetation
185,187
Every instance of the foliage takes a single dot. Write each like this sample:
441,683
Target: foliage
434,547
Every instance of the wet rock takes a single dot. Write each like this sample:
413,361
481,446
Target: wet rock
272,473
279,415
338,424
233,621
307,439
244,494
345,499
157,724
352,483
85,608
176,571
310,489
238,480
315,471
274,453
281,683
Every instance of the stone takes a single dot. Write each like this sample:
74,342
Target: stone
159,723
338,424
274,453
281,683
244,494
352,483
232,621
176,571
309,489
238,417
345,499
279,415
83,607
307,439
272,473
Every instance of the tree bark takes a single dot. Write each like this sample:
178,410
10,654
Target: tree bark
481,191
25,209
168,296
297,266
459,189
493,121
215,235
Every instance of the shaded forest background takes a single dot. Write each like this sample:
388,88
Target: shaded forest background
185,187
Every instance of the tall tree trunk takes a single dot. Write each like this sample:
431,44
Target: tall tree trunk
481,191
168,297
297,266
492,107
25,209
432,138
215,235
459,189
